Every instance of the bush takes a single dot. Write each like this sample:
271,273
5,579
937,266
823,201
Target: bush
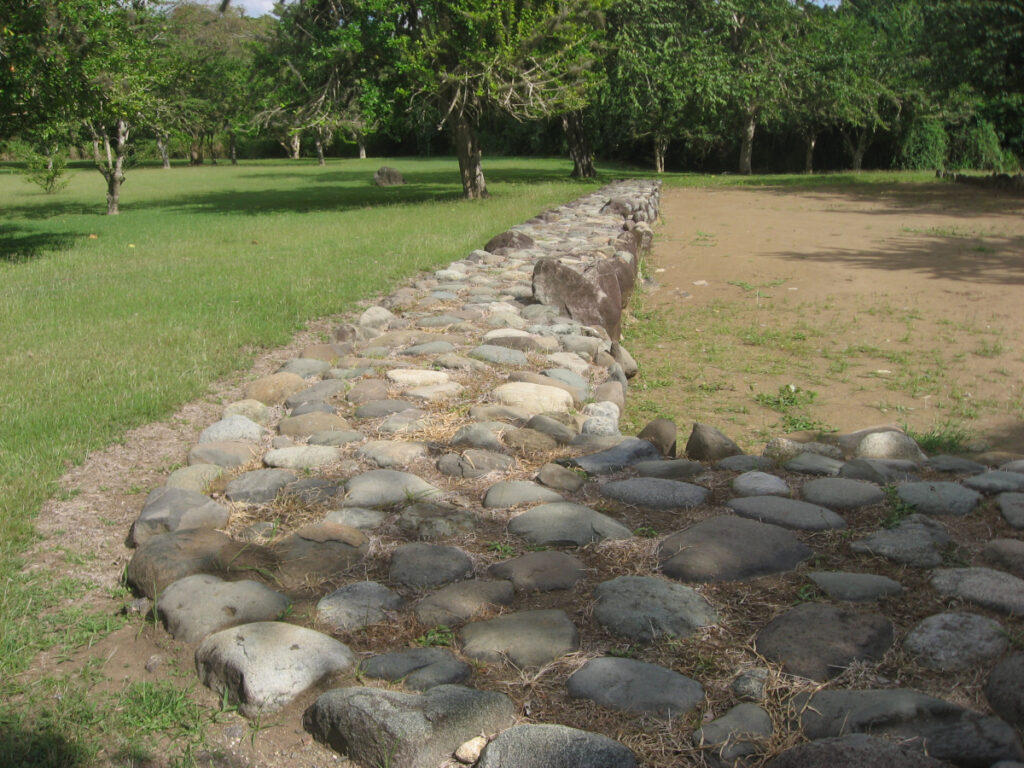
45,169
925,146
976,146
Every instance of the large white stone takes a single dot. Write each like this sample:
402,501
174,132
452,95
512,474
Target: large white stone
535,398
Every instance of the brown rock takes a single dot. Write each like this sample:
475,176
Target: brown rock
310,423
273,389
662,433
708,444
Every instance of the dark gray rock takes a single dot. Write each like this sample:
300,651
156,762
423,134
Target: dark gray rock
165,558
368,391
939,498
561,479
996,481
655,493
385,176
459,602
745,463
741,732
421,566
1012,507
375,409
841,493
855,750
510,493
479,436
544,424
320,392
916,540
498,355
644,608
259,486
635,686
357,605
594,296
427,520
1006,555
554,746
197,605
418,668
670,469
948,641
512,239
982,586
708,444
385,488
320,550
954,465
662,434
565,523
879,471
627,452
540,571
759,484
814,464
171,509
1005,690
525,638
788,513
855,587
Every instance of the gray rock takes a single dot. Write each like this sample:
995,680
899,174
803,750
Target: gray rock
983,586
435,521
385,488
954,465
379,727
626,453
643,608
855,587
172,509
479,436
164,559
307,368
889,445
197,477
819,640
782,449
726,548
540,571
554,746
357,605
421,566
368,391
565,523
356,517
939,498
320,392
841,493
708,444
527,442
512,414
745,463
916,540
635,686
459,602
741,732
1006,555
392,453
403,422
259,485
385,176
336,437
498,355
814,464
533,398
788,513
1012,507
320,550
473,463
429,348
375,409
997,481
233,428
509,493
310,423
951,641
251,409
264,665
227,454
562,479
879,471
759,484
855,750
313,491
662,434
670,469
750,684
418,668
1005,689
655,493
302,457
552,428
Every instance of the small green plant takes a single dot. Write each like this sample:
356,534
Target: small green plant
500,549
646,532
944,437
149,707
806,593
788,397
989,349
630,651
898,508
439,636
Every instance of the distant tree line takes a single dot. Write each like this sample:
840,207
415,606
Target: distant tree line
712,85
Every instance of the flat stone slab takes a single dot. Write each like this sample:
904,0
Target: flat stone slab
854,749
917,540
197,605
320,550
655,493
376,409
356,517
227,454
380,727
554,746
787,513
855,587
566,524
670,469
171,509
197,477
880,471
745,463
997,481
540,571
841,493
635,686
627,452
473,463
273,389
357,605
983,586
392,453
741,732
939,498
525,638
421,566
311,423
259,486
950,641
759,484
302,457
814,464
320,392
509,493
954,465
727,548
644,608
1012,507
535,398
417,377
427,520
819,640
263,666
418,668
165,558
1005,689
459,602
385,488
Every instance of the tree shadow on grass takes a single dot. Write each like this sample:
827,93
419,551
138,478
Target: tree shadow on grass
39,748
19,245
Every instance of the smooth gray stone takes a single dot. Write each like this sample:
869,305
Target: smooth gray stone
855,587
305,367
380,727
421,566
635,686
509,493
418,668
227,454
463,600
814,464
655,493
319,407
197,477
745,463
570,378
759,484
480,435
788,513
749,685
879,471
302,457
336,437
388,454
983,586
437,321
709,444
841,493
1017,465
644,608
356,605
952,641
585,346
430,348
473,463
1012,507
356,517
165,558
264,665
197,605
319,550
459,363
782,449
554,746
954,464
996,481
233,428
628,451
510,413
1005,689
259,485
540,571
916,540
552,428
386,488
741,732
435,521
341,375
496,355
403,422
939,498
171,509
670,469
525,638
318,393
889,444
368,390
855,750
820,640
727,548
375,409
948,731
1006,555
565,523
562,479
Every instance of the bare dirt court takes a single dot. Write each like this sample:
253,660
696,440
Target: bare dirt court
894,303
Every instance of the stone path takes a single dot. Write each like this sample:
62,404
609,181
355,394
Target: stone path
435,507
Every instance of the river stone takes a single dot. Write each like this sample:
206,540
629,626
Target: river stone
554,746
172,509
569,378
535,398
165,558
385,488
556,476
819,640
524,638
782,449
375,409
629,451
889,445
708,444
741,732
498,355
367,390
306,424
197,605
1006,555
788,513
417,377
855,750
552,428
356,517
487,413
988,588
264,665
840,493
1012,507
635,686
473,463
855,587
377,318
655,493
253,410
509,493
954,641
759,484
916,540
429,349
480,436
996,481
1005,690
939,498
259,485
420,566
599,426
404,422
814,464
540,571
418,668
745,463
376,727
197,478
307,368
302,456
459,602
320,392
235,427
749,685
320,550
357,605
879,471
227,454
392,453
273,389
566,524
434,393
571,361
670,469
435,521
644,608
336,437
302,410
438,321
945,730
954,465
727,548
527,442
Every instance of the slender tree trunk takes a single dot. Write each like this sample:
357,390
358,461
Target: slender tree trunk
295,146
660,148
747,146
467,147
161,144
213,151
362,147
579,146
320,151
811,140
110,160
233,148
195,149
857,144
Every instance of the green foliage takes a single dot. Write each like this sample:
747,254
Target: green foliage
788,397
976,146
941,437
925,145
44,169
439,636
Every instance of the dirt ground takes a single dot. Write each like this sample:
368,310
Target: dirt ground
895,304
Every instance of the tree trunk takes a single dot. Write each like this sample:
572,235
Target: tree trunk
747,147
195,149
660,148
362,147
579,146
161,144
110,161
295,146
233,148
213,152
811,140
320,151
467,147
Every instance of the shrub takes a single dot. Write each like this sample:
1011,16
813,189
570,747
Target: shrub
925,145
